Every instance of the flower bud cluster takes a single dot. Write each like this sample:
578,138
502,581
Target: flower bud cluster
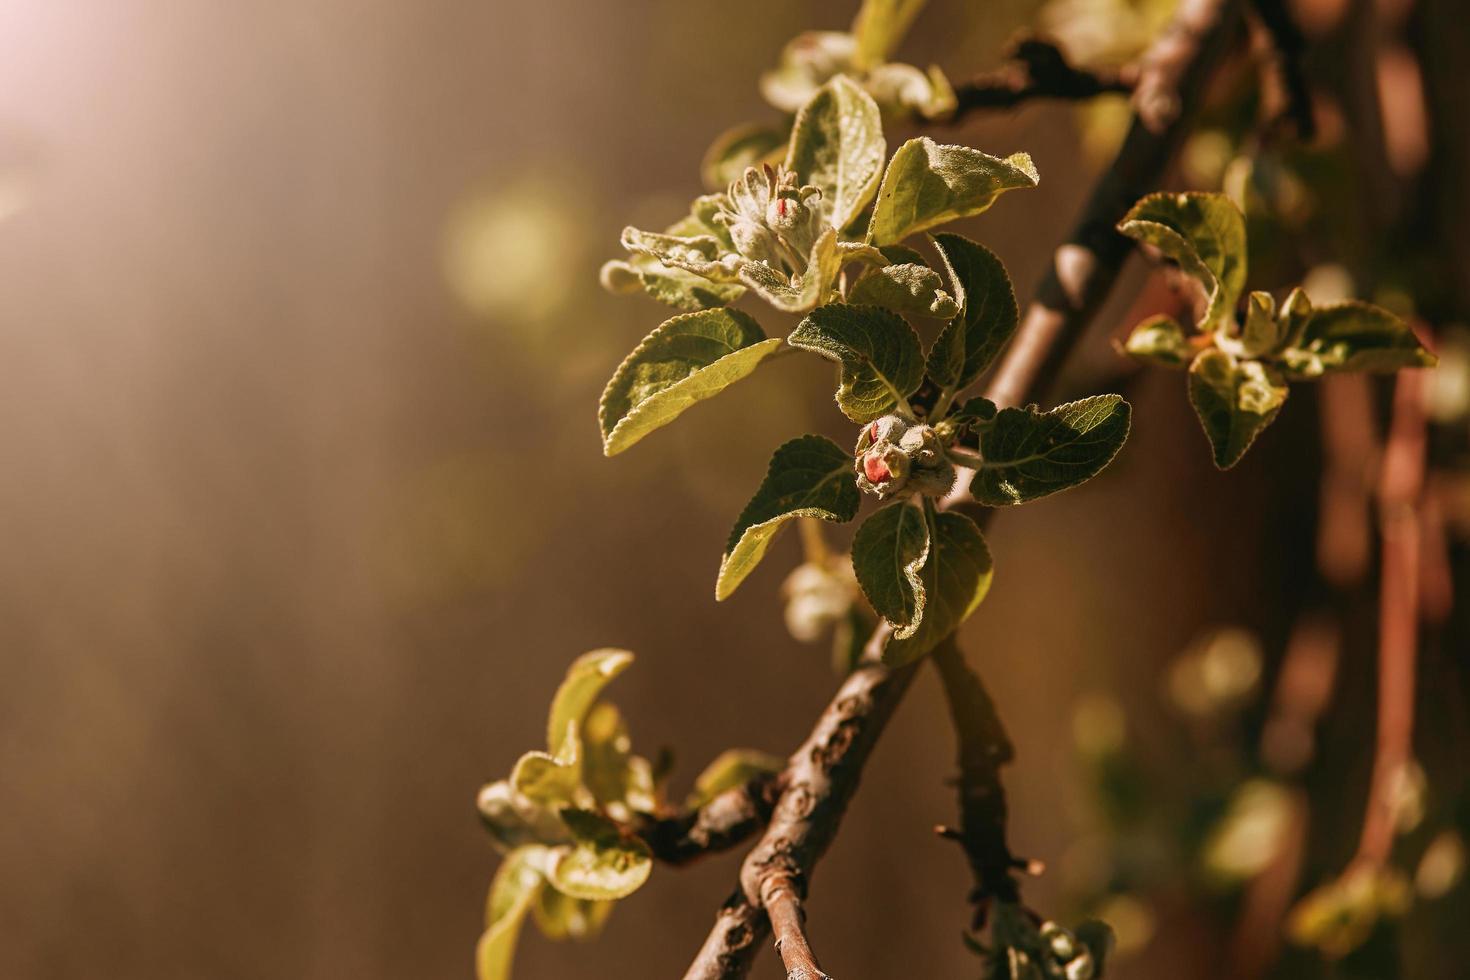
898,458
772,218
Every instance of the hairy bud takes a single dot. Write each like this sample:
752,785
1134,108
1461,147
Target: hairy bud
772,218
897,458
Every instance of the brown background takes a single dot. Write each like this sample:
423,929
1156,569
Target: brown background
295,540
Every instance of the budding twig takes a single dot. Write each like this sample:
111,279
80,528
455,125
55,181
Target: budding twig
1038,70
722,823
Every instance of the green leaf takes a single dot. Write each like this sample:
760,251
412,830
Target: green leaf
803,292
560,916
1160,340
610,770
602,864
880,26
1030,454
904,90
880,361
1205,234
514,821
1355,336
1234,400
988,314
904,288
545,778
927,184
975,411
746,145
956,577
686,360
584,681
888,556
673,287
699,254
837,145
516,885
808,477
731,768
1263,331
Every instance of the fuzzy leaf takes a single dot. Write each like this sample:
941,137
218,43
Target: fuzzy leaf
837,145
514,821
602,864
1030,454
610,770
560,916
880,361
515,887
880,26
904,288
809,476
1234,400
888,556
956,577
1263,331
731,768
987,319
545,778
1159,340
1355,336
699,254
686,360
673,287
927,184
584,681
746,145
807,290
1205,234
975,411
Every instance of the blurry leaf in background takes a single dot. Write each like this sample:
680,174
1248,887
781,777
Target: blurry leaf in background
1248,837
511,245
1220,671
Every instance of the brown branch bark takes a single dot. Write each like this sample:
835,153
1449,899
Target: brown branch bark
1038,70
823,774
983,748
1289,46
722,823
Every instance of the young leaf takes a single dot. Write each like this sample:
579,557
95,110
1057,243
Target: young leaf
837,144
1159,340
904,288
880,361
1030,454
584,681
560,916
879,27
602,864
987,319
610,771
699,254
956,577
888,556
685,360
731,768
808,477
975,411
1355,337
514,821
545,778
746,145
1263,329
1234,402
516,885
673,287
927,184
1205,234
805,291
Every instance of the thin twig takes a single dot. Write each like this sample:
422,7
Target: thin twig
823,773
720,824
1399,490
983,748
788,922
1290,46
1037,70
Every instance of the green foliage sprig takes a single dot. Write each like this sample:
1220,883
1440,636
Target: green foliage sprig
1240,364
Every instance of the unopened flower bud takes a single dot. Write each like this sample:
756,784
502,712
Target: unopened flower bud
897,458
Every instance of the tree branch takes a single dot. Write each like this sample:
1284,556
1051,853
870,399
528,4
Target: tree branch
1290,46
983,748
823,774
1038,70
722,823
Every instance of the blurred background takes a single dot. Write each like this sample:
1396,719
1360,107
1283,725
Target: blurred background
303,511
